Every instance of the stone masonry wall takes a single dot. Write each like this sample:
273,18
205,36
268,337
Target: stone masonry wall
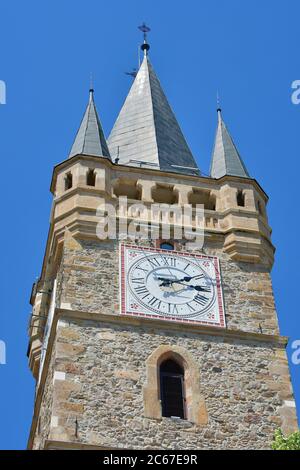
89,281
45,415
102,370
93,392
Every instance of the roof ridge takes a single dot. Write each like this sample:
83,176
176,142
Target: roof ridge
146,59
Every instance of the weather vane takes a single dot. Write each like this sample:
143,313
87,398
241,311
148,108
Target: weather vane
145,29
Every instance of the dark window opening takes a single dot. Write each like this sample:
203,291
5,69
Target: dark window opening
240,198
68,181
91,178
167,246
172,389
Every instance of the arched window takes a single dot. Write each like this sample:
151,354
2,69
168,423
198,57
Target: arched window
168,362
166,246
91,178
68,181
172,389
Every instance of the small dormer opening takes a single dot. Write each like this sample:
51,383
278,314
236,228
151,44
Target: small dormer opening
91,177
166,246
68,181
240,198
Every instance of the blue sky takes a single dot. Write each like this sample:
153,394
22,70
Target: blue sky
247,50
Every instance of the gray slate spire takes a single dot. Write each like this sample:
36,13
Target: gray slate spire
146,132
226,159
90,138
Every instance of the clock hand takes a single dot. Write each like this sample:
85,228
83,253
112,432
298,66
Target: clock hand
199,288
166,283
171,281
189,278
184,279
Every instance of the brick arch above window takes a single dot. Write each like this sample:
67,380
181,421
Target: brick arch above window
195,404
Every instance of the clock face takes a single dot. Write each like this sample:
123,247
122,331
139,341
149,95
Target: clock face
171,285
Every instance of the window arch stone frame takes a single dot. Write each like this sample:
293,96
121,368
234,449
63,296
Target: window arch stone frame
195,406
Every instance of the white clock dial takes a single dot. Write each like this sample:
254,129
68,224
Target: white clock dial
170,284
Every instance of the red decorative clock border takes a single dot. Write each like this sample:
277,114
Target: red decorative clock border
221,324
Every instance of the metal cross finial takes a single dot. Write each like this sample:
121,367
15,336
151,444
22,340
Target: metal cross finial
145,29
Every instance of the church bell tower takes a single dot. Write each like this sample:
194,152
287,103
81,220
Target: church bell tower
152,341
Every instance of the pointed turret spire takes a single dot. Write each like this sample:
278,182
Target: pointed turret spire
146,132
226,159
90,138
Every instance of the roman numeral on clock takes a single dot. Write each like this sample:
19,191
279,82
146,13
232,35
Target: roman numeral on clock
200,299
142,269
154,302
153,262
137,280
169,261
140,290
191,308
173,310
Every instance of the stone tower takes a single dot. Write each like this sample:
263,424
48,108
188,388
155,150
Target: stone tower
150,343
